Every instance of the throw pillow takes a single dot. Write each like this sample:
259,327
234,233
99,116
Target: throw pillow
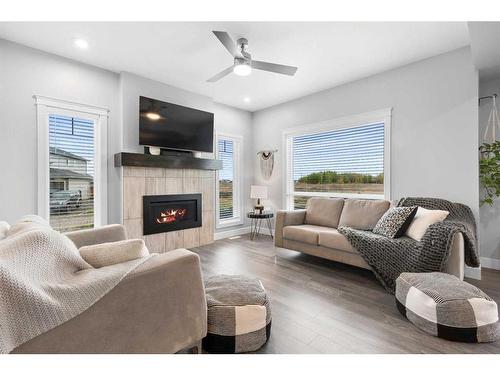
109,253
395,221
423,219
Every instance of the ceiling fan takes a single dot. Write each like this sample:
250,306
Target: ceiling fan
243,62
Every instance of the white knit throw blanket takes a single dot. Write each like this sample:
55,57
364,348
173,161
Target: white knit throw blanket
44,282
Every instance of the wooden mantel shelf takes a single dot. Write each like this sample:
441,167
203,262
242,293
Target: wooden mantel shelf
128,159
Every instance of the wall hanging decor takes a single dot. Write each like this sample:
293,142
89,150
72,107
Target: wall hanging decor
489,162
266,163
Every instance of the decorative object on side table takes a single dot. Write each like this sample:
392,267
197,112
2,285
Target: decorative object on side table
258,192
256,223
239,314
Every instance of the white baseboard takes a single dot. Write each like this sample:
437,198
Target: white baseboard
490,263
231,233
473,273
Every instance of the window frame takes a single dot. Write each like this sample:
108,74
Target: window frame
368,118
237,218
46,106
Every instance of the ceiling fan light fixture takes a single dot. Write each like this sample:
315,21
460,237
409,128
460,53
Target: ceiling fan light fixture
242,67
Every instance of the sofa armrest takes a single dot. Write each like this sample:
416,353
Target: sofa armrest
159,307
107,233
455,264
285,218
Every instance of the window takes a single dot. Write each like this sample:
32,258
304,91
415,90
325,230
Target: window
71,160
333,159
72,164
228,184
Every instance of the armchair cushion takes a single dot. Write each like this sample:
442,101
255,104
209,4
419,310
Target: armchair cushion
324,211
28,223
109,253
107,233
4,229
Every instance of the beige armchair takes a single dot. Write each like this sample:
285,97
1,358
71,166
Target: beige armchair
160,307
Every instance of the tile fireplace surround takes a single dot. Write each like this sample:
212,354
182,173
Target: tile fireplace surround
140,181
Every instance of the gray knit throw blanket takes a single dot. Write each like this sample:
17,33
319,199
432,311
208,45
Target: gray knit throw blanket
388,258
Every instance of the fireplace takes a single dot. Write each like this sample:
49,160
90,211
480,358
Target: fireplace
165,213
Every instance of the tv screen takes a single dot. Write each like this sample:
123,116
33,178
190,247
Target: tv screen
173,126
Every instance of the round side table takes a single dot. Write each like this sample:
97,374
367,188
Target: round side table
256,223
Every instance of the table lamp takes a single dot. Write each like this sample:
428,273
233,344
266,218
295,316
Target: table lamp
258,192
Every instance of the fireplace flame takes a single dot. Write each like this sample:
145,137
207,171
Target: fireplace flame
170,216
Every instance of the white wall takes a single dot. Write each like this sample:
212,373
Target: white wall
133,86
490,215
226,119
25,72
434,126
232,121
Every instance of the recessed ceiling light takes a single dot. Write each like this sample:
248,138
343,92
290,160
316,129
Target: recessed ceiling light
81,43
246,99
153,116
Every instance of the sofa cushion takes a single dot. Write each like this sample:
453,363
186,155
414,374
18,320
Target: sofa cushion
303,233
362,214
333,239
324,211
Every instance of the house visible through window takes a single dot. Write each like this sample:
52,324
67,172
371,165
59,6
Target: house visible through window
345,162
71,175
228,182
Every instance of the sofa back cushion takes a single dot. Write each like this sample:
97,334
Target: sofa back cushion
362,213
324,211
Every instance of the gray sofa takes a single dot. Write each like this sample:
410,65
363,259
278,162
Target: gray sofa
314,230
159,307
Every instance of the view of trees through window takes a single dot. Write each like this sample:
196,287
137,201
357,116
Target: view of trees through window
225,149
71,159
347,161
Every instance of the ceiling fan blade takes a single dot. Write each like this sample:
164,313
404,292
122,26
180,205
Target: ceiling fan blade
224,73
229,43
275,68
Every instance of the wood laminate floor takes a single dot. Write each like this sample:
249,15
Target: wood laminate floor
320,306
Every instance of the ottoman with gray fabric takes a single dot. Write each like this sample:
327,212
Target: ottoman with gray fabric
239,314
444,306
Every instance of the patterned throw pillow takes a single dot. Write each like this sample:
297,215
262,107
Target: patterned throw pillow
395,221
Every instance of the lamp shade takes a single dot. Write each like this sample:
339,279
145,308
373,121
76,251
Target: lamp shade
257,191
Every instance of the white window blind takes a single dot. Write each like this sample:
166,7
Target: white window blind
338,162
225,149
71,175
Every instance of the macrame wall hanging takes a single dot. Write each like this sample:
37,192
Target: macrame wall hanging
490,134
266,163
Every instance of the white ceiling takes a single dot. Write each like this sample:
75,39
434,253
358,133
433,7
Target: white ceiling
186,54
485,42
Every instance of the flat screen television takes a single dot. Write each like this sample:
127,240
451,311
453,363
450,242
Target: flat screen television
173,126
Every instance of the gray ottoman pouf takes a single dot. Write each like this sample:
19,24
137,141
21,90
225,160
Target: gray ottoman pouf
444,306
239,314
